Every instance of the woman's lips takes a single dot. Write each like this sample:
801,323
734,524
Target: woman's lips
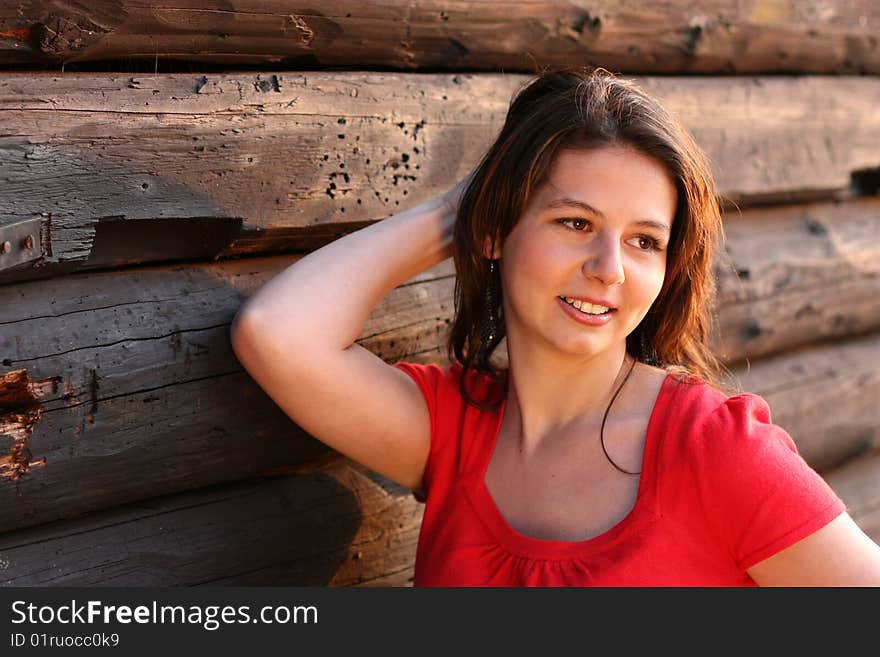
584,318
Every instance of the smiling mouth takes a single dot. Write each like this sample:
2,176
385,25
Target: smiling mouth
588,308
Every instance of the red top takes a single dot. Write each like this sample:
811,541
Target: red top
721,489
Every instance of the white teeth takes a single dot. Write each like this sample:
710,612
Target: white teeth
584,307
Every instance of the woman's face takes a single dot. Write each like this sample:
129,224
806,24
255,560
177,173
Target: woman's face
597,230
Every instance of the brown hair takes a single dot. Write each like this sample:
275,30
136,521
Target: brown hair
586,108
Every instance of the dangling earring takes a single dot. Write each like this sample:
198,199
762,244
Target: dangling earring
489,328
647,351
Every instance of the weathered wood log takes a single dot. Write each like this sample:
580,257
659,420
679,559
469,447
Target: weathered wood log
646,37
327,524
122,385
858,483
798,275
215,166
825,396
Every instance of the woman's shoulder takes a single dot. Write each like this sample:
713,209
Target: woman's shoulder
708,395
443,381
692,396
732,469
433,378
720,425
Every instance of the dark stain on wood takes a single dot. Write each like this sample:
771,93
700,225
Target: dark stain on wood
816,227
271,83
805,311
866,182
63,36
120,241
692,39
592,25
752,330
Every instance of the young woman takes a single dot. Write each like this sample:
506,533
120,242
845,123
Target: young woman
608,450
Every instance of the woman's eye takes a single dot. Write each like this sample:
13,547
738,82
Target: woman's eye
576,223
644,242
648,243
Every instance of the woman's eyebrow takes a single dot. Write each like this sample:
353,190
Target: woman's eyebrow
566,202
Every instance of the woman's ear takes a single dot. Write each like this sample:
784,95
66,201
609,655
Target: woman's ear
490,249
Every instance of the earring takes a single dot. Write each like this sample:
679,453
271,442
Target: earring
489,328
647,351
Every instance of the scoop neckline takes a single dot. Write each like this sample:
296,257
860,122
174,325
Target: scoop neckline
643,510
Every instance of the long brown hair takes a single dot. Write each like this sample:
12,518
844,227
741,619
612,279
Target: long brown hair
587,108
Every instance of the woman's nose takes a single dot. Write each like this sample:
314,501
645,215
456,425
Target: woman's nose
604,262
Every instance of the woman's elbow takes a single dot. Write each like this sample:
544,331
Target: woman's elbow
242,331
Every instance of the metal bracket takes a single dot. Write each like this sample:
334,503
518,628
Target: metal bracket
20,243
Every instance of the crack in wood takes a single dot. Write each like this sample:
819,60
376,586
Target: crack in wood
421,281
121,304
396,328
146,390
118,342
93,392
409,354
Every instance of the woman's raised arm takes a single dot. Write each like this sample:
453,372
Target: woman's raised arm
296,337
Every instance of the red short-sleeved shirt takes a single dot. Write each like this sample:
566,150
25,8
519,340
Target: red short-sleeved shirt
721,489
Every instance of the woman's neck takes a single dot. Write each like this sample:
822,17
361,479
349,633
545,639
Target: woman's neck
547,396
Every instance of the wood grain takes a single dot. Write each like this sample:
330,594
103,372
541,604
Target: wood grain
797,275
654,36
327,524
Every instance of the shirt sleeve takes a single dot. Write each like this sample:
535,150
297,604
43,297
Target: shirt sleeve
760,495
429,379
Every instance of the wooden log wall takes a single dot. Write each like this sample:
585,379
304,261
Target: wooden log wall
134,448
